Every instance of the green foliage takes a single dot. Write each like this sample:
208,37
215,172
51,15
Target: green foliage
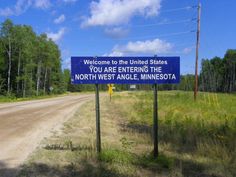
126,144
219,75
186,82
189,122
1,85
206,128
116,156
30,64
69,145
162,161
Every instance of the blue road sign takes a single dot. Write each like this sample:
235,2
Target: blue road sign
125,70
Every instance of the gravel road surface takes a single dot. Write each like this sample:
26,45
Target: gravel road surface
24,124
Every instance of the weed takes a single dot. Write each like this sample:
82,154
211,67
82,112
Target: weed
162,161
125,143
68,144
116,156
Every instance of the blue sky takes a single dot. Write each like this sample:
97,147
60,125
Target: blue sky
129,27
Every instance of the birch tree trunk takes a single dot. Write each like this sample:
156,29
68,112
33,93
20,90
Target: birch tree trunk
24,83
9,66
18,73
45,80
38,77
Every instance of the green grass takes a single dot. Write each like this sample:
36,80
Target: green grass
190,121
161,161
203,129
116,156
195,138
5,99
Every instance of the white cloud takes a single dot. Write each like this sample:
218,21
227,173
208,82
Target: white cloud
66,63
20,7
114,53
65,52
23,5
116,32
153,47
6,12
188,50
60,19
69,1
42,4
116,12
57,36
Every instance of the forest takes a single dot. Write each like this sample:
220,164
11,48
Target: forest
216,75
219,74
30,65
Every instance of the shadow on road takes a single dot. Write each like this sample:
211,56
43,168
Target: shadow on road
7,172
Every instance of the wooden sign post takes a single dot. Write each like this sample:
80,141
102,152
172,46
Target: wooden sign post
98,132
125,70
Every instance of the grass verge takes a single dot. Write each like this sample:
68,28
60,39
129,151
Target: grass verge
9,99
196,139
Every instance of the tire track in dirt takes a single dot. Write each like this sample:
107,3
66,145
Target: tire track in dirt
24,125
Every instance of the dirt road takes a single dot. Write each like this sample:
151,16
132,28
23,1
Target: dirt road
24,124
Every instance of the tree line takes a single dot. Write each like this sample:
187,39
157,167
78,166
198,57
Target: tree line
30,64
219,74
216,75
